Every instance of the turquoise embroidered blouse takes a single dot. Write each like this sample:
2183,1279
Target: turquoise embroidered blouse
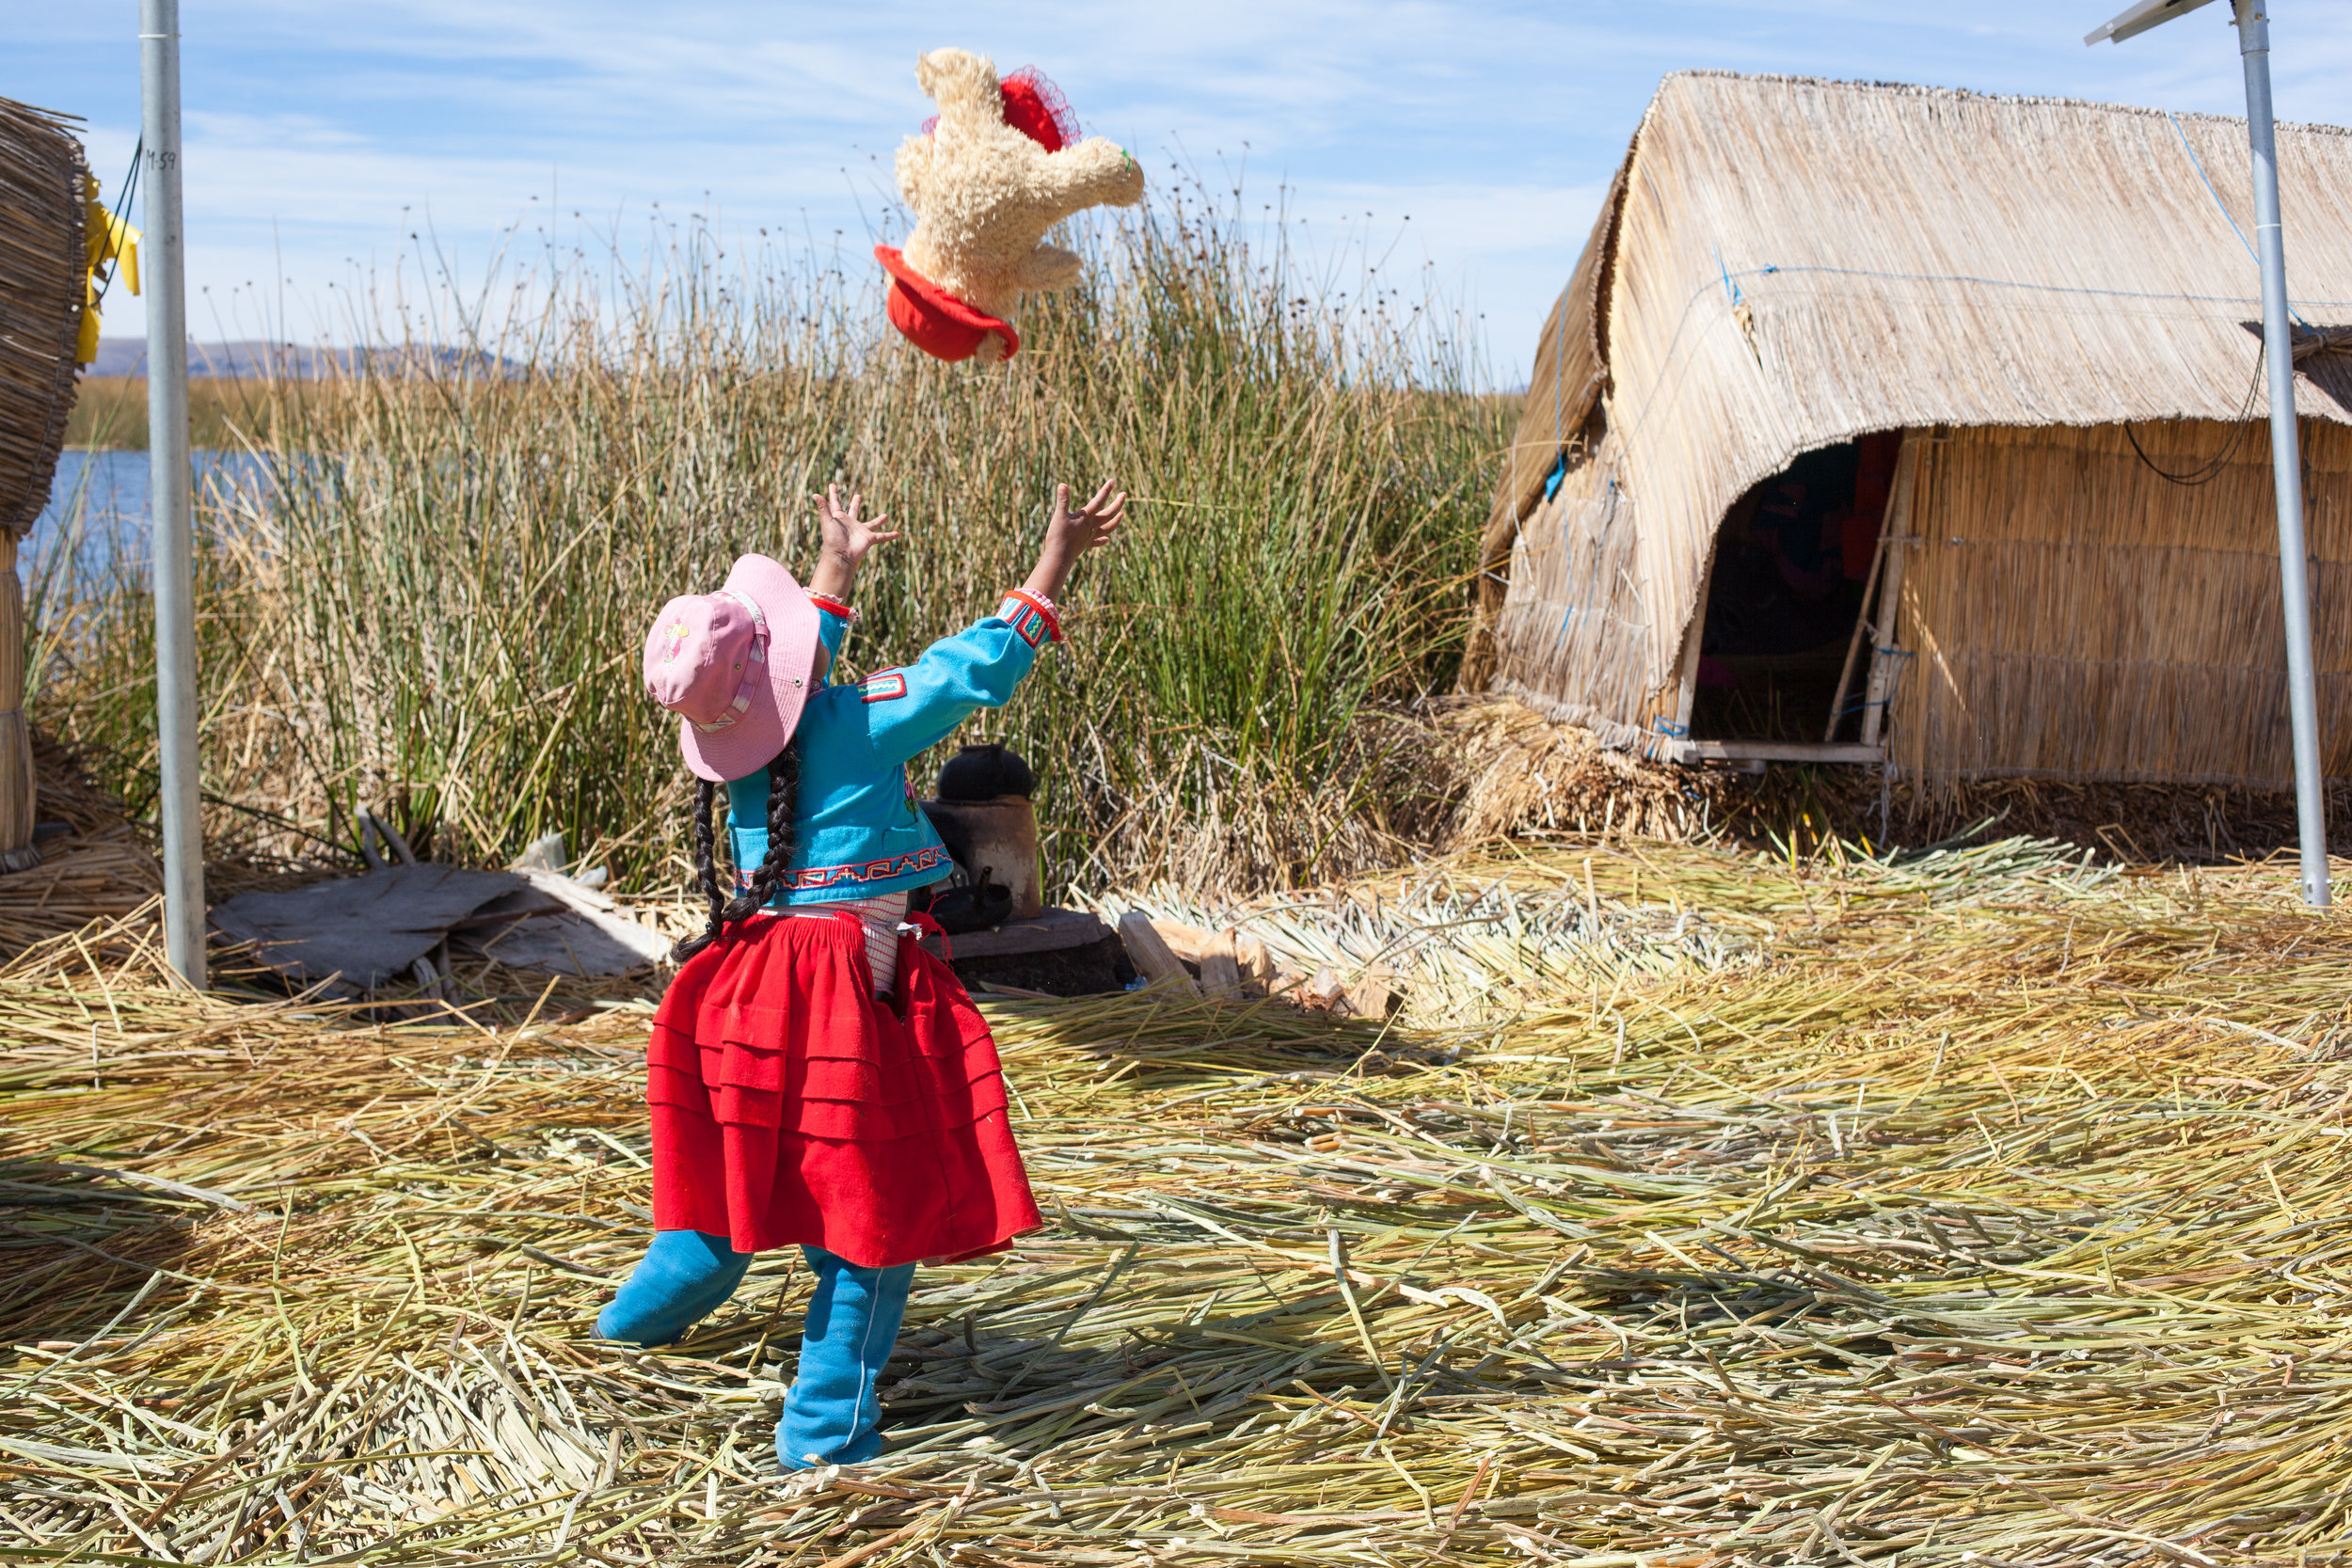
857,831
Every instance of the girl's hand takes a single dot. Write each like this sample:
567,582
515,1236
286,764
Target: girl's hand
846,534
1089,528
1071,534
847,538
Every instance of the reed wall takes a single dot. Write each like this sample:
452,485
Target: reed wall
42,271
1571,634
2072,614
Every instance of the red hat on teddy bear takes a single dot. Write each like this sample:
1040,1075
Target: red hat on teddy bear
934,319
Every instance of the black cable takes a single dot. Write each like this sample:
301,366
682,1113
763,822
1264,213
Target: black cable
122,205
2210,470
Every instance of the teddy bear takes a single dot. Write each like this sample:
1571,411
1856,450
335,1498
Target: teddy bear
1000,165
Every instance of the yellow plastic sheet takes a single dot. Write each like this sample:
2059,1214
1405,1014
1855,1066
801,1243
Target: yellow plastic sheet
108,238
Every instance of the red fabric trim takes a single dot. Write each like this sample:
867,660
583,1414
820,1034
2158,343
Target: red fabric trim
832,606
857,873
1053,622
1033,106
1036,108
1025,622
934,319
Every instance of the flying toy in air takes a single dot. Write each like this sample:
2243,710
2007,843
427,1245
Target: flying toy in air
1002,163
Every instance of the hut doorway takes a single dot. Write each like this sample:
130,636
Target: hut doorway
1790,571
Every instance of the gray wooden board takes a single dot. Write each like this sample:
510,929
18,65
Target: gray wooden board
484,924
369,929
1048,933
569,941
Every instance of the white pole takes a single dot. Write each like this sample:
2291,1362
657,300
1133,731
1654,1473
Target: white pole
172,553
2286,455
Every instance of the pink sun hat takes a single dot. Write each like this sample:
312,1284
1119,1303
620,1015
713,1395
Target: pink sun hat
734,667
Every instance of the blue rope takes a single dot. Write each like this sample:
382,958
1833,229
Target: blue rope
2015,283
1641,415
2199,165
1558,469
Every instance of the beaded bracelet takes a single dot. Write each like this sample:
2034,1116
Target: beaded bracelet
1033,615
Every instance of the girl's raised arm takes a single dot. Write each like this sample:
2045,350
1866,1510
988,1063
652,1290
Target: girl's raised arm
909,710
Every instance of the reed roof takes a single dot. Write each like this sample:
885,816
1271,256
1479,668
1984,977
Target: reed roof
1784,263
43,266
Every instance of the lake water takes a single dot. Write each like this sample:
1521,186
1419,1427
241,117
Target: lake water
100,501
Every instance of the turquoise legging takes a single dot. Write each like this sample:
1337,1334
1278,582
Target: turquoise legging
832,1416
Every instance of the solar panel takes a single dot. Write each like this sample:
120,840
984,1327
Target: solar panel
2146,14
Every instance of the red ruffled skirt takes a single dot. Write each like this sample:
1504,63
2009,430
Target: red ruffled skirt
792,1106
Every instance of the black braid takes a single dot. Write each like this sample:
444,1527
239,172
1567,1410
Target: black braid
705,872
784,794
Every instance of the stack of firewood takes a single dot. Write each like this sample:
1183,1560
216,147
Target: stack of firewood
1230,964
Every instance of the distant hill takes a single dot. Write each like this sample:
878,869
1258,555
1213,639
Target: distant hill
253,357
237,360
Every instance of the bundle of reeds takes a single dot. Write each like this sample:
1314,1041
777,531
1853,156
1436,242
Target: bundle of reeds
1524,772
42,268
1988,1211
43,272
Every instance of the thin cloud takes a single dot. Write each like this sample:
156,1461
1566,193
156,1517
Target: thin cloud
319,140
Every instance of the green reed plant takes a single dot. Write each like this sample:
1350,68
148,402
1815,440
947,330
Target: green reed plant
436,601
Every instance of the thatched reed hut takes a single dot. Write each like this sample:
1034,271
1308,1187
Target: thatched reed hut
44,267
1886,422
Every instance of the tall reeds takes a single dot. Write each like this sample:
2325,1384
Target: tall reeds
434,598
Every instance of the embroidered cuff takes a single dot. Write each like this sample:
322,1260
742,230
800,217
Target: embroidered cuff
1035,619
832,606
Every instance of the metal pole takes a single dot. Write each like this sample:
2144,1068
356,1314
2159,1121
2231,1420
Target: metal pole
172,550
2286,455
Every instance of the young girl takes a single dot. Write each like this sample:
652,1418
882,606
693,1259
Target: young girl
815,1077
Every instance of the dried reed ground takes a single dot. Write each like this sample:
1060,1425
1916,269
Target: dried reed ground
1983,1209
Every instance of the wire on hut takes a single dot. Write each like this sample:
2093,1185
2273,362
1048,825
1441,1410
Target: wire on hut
2206,472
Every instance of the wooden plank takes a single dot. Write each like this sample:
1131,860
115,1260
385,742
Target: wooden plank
1861,622
1051,932
1151,956
368,930
1220,969
1188,943
569,941
1687,694
1897,535
1779,750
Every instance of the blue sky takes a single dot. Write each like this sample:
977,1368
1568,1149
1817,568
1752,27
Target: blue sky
1474,138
